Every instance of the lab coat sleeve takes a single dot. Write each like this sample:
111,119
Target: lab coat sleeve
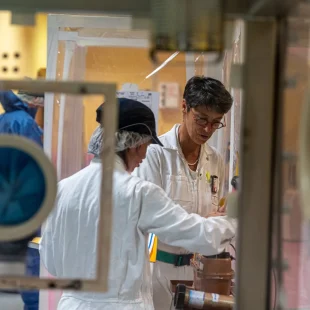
46,247
150,169
175,227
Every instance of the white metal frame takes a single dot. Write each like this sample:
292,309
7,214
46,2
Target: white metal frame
72,39
104,226
102,41
239,33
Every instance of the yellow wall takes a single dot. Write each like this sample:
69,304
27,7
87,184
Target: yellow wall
29,42
123,65
119,65
104,64
39,44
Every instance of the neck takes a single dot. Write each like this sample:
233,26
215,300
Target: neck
189,148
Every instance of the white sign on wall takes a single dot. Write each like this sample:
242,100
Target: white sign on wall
169,95
150,99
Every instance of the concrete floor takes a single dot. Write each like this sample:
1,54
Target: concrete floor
11,302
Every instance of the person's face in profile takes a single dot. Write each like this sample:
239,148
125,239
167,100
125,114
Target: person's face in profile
135,156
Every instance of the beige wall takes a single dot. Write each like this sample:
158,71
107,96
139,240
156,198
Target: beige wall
123,65
119,65
29,42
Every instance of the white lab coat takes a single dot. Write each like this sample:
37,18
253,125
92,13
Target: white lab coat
167,168
68,246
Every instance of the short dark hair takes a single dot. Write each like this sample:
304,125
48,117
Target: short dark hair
208,92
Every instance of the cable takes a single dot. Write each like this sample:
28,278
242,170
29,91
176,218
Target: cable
171,303
275,289
233,258
233,248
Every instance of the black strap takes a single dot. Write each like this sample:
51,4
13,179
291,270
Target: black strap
183,260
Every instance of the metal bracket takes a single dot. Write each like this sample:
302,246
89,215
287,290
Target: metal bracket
99,284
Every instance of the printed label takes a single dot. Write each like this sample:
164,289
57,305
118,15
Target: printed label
196,299
215,200
215,297
201,265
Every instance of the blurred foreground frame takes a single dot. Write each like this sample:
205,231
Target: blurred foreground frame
100,284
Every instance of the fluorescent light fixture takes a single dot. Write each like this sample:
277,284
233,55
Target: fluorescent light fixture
163,64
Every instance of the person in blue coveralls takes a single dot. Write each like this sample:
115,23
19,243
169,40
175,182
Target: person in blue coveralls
19,119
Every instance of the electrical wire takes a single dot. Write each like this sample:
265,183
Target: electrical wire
171,303
275,289
233,258
233,248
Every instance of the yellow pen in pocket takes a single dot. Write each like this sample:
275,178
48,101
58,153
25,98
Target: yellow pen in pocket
208,176
221,203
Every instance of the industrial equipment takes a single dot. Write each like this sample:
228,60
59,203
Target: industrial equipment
212,286
28,190
187,298
36,176
260,76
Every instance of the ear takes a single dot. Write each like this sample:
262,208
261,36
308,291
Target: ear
135,150
184,107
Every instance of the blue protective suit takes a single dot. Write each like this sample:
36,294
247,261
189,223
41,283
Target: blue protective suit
19,119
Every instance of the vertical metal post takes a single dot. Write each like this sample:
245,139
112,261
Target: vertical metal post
276,251
256,171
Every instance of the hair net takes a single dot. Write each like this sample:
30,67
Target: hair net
124,140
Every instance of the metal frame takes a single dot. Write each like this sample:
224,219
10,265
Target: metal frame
142,8
106,42
276,256
256,170
104,227
56,21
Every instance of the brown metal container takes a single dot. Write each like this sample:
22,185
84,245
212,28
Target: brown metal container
215,276
216,283
215,265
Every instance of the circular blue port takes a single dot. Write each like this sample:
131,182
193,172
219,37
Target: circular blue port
22,186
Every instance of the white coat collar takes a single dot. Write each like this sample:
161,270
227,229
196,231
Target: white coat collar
118,163
170,141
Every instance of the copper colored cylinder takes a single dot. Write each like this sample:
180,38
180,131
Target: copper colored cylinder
190,299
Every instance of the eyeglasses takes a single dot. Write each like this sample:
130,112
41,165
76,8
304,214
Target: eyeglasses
204,122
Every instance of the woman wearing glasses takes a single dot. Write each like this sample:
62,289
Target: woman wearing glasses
190,171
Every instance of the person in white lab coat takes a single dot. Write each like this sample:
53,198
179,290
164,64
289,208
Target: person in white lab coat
68,246
190,171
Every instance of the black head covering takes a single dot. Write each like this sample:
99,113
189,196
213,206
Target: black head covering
134,116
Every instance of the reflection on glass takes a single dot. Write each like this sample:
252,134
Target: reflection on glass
295,230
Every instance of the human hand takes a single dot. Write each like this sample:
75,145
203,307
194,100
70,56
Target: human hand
222,205
221,209
215,214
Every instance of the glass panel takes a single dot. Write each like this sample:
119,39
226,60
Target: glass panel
93,55
230,138
295,230
22,55
133,65
123,65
